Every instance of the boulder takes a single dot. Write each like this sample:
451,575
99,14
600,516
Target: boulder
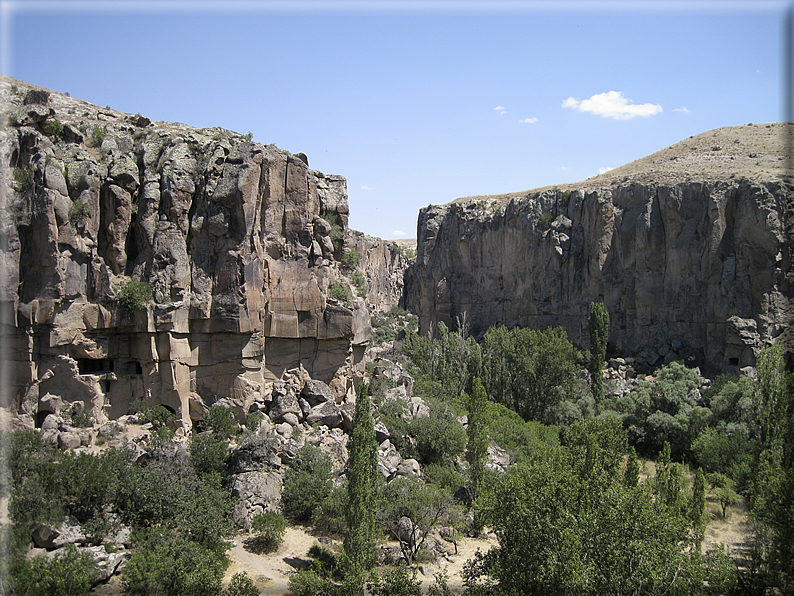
69,440
316,392
51,536
255,492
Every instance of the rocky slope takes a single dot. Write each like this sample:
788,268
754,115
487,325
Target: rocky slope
239,242
689,248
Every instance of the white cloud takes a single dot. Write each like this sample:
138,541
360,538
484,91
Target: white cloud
365,187
565,168
604,170
683,110
612,105
529,120
500,109
398,233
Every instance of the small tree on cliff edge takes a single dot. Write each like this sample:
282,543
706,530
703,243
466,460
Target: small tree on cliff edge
362,488
599,330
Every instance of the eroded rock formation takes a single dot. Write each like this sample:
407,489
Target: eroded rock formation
700,269
238,242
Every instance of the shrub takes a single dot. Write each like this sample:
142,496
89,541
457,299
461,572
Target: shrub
56,127
544,221
69,573
306,483
351,260
97,136
23,177
37,96
445,475
79,212
340,292
209,454
241,585
439,437
329,515
360,283
166,562
220,420
337,234
159,416
134,295
308,583
270,527
80,415
395,582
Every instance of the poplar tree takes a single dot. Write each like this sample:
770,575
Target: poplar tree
698,507
477,445
631,477
362,488
599,331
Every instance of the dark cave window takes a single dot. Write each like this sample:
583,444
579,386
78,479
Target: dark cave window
40,416
733,361
88,366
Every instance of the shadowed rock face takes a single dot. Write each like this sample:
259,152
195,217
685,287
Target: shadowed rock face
232,236
688,269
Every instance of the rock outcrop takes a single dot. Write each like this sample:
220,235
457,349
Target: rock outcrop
232,238
685,269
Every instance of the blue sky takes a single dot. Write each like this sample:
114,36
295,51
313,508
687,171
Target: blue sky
418,103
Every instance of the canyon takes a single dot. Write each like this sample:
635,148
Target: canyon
239,244
689,249
242,247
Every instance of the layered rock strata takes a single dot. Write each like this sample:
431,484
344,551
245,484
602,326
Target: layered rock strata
687,269
238,243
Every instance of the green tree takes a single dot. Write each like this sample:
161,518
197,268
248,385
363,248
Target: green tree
445,366
68,573
631,477
772,504
599,331
425,507
269,527
697,507
529,371
241,585
134,295
477,431
395,582
439,436
166,563
567,524
306,483
362,488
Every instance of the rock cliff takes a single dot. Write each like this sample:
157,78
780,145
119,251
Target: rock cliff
238,243
689,260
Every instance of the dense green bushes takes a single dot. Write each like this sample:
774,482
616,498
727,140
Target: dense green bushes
179,515
529,371
307,482
68,573
567,523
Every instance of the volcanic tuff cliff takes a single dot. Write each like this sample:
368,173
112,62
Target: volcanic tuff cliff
240,243
689,249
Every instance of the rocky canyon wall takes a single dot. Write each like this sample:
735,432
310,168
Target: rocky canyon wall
238,242
688,269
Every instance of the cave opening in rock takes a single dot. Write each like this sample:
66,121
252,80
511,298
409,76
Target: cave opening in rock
40,416
90,366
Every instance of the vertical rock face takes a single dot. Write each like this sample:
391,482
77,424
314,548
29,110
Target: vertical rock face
232,238
383,264
687,269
